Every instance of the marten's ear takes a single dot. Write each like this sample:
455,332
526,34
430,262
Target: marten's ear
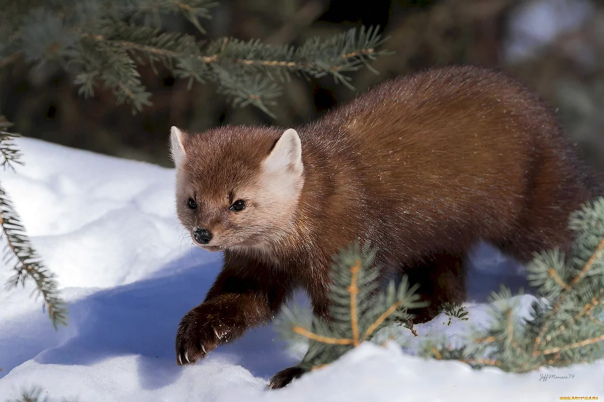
286,155
177,144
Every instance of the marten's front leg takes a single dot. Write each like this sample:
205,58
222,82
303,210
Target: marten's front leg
245,294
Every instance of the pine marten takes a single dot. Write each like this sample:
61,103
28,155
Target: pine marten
422,167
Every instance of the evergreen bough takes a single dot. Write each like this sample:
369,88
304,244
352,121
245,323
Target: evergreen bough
358,310
33,394
36,394
102,42
565,325
18,251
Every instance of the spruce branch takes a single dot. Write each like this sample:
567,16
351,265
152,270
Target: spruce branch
103,44
588,213
454,310
565,325
18,251
33,394
36,394
246,72
9,151
357,309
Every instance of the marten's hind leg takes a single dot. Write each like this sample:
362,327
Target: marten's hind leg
554,191
442,279
539,230
542,227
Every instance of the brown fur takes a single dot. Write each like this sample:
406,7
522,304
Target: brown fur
423,166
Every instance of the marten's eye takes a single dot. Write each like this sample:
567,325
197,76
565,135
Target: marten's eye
237,206
192,204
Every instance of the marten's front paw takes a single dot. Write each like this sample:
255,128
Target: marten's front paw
199,333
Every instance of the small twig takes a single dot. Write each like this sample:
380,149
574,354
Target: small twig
381,319
484,362
413,330
563,295
353,289
510,329
357,54
590,262
323,339
595,320
557,278
183,6
126,90
573,345
586,310
551,361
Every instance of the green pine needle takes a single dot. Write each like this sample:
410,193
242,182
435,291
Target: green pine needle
565,325
33,394
357,309
18,251
103,43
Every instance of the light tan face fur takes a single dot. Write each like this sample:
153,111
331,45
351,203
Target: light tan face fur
269,185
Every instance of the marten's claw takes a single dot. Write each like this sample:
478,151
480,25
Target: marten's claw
195,338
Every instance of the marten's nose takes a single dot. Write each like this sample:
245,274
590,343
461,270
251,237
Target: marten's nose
202,236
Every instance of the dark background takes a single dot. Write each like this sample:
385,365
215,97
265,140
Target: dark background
555,46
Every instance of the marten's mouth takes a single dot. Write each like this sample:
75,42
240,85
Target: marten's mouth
212,248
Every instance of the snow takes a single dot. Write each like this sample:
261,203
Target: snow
107,228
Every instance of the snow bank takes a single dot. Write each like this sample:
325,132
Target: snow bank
107,227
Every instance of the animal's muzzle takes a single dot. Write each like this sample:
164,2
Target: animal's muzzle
202,236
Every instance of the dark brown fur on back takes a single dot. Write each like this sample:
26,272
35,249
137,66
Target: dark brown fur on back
423,167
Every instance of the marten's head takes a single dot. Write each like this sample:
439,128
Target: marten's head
237,187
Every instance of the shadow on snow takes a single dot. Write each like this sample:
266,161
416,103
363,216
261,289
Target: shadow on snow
142,318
